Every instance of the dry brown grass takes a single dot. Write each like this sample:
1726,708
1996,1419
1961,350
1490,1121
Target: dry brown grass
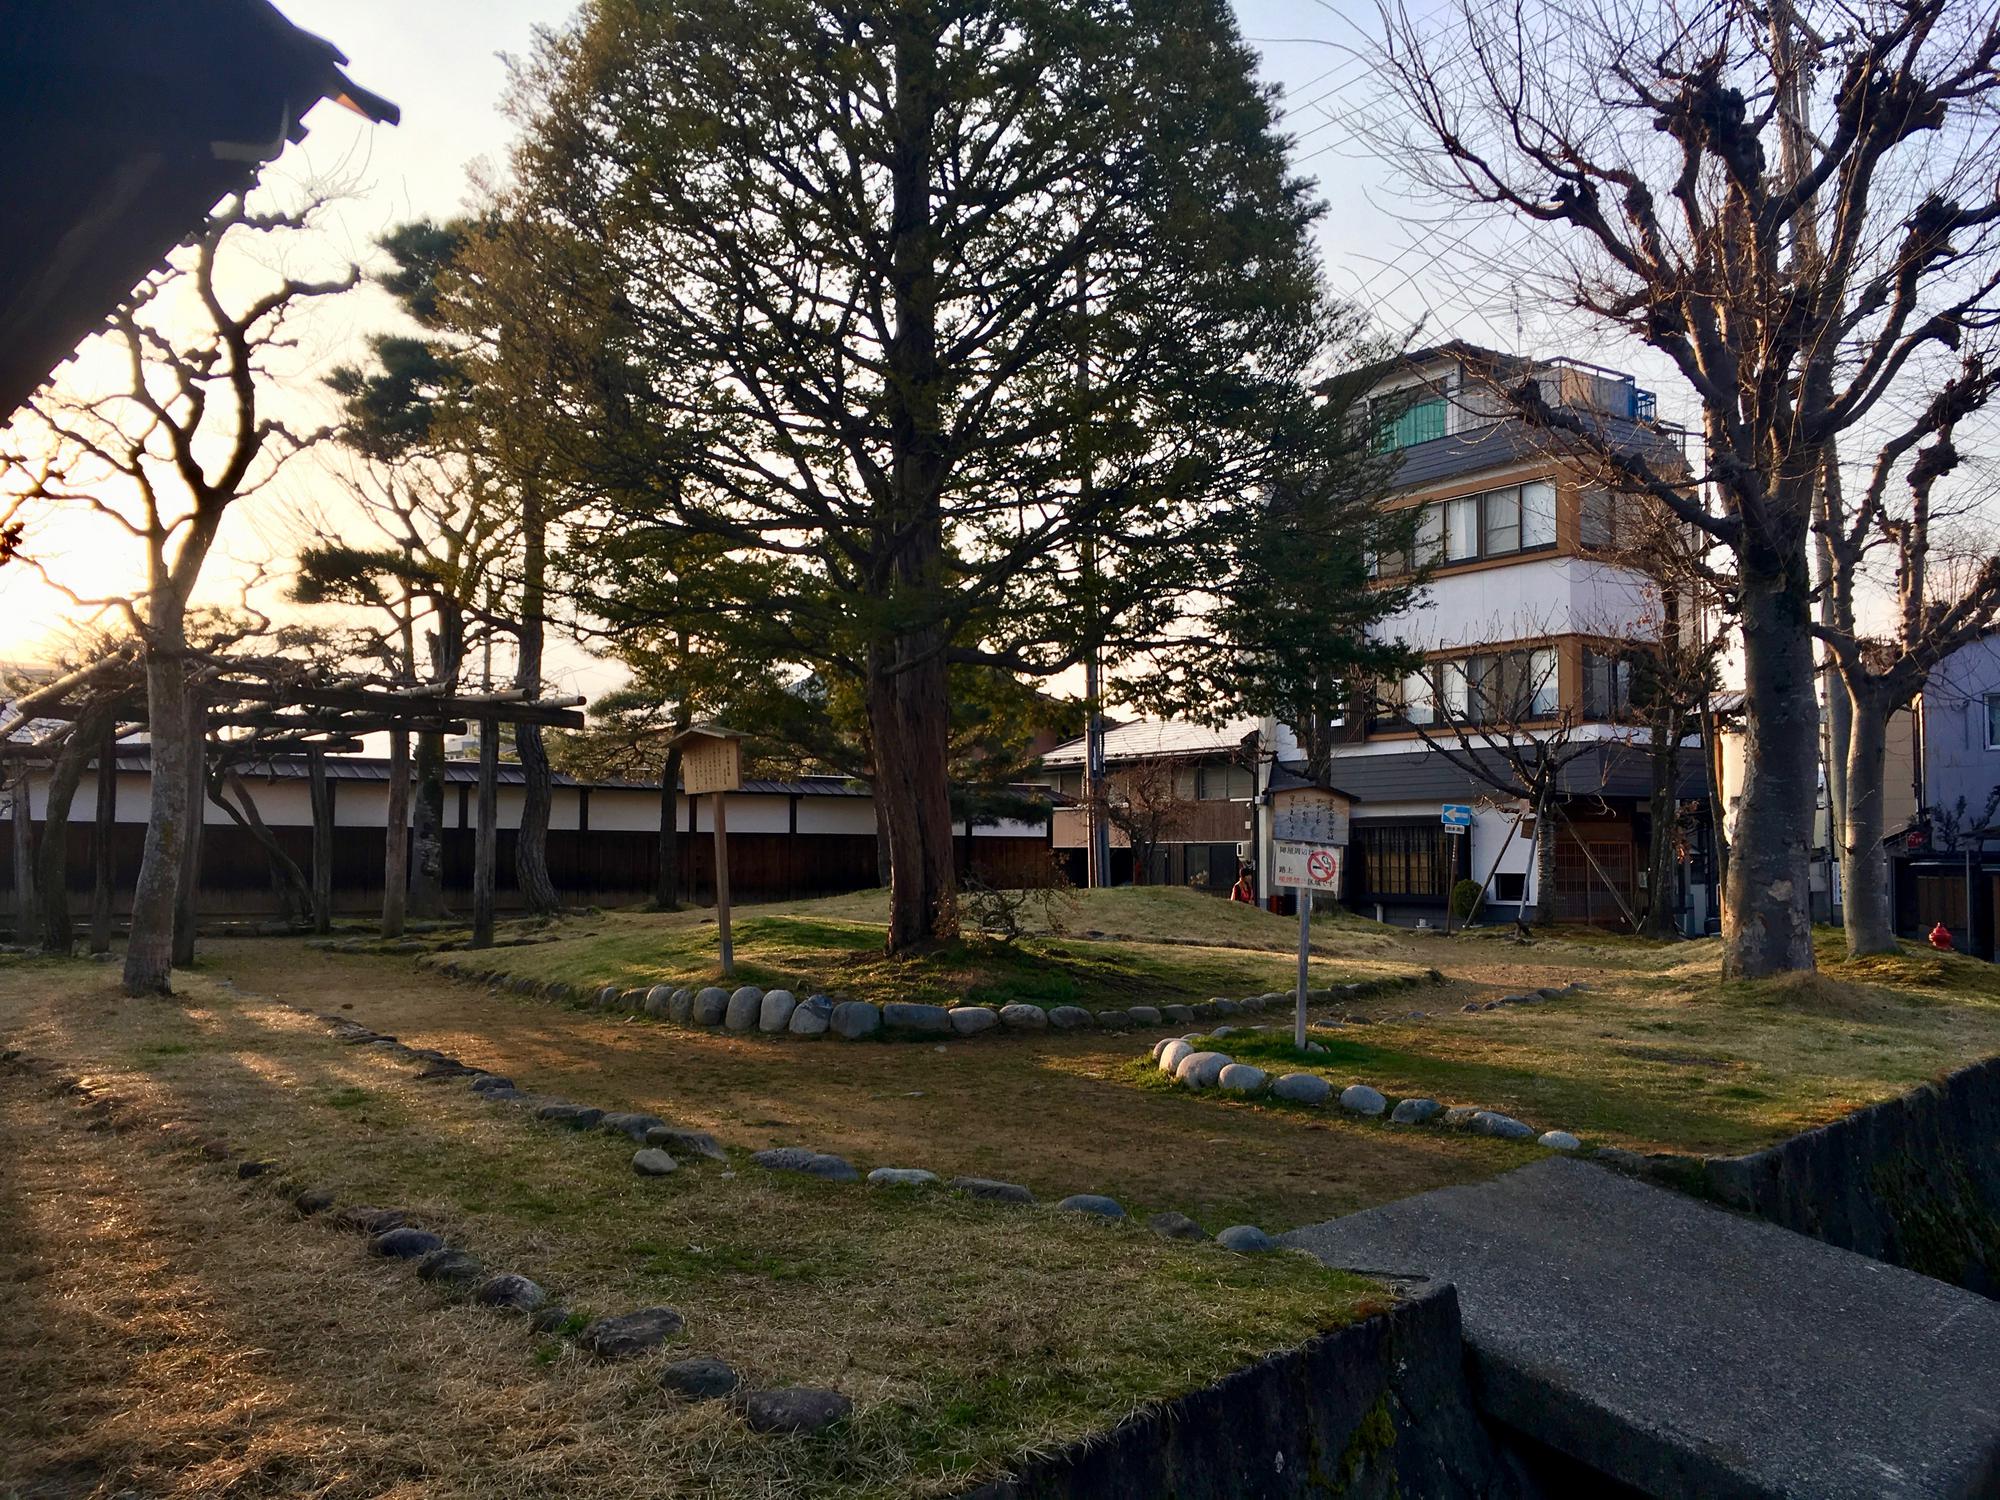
178,1332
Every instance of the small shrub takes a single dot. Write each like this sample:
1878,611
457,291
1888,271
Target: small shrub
1464,896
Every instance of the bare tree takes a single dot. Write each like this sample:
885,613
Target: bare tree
1639,138
1498,715
1149,802
184,434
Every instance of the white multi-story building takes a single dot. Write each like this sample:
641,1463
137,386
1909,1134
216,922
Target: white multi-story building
1526,621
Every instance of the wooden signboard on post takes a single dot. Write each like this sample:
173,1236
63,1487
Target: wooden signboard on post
712,762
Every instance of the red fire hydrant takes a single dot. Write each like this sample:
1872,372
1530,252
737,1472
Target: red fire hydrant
1941,938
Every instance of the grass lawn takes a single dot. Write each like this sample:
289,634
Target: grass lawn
1661,1055
1123,947
176,1332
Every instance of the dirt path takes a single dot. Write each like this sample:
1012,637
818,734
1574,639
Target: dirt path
1042,1111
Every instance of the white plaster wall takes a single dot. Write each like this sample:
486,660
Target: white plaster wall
854,815
748,813
622,811
1539,597
1006,828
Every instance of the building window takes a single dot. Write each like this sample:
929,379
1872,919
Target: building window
1419,700
1461,528
1993,721
1607,685
1502,513
1430,536
1413,423
1597,518
1405,861
1455,690
1222,784
1495,523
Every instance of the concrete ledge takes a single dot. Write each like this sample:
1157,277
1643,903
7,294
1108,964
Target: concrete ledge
1690,1352
1374,1410
1914,1181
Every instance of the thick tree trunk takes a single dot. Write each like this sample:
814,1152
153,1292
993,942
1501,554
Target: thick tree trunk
908,716
396,836
667,885
1767,917
52,859
103,829
149,950
531,844
906,680
881,845
1864,865
1662,863
427,830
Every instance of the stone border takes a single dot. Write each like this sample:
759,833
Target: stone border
395,1234
749,1010
1205,1070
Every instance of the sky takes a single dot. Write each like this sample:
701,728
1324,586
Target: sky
444,63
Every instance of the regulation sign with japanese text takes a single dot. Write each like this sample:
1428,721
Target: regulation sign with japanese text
1309,815
1307,867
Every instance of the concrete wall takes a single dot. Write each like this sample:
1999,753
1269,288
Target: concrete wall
1914,1181
1539,596
1378,1409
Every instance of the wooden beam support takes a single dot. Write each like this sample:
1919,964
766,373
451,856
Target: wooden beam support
396,836
103,829
321,791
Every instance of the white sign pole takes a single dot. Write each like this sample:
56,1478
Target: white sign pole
1305,949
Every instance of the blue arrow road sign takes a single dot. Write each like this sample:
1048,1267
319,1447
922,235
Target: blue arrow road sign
1455,815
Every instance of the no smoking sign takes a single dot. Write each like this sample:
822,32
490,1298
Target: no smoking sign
1307,867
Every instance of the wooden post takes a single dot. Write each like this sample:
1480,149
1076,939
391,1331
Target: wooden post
27,929
102,830
322,854
396,836
487,841
722,884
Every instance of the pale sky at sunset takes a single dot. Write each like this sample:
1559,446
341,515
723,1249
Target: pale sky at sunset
440,60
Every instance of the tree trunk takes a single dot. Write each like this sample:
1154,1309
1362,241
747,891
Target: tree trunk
52,859
906,679
1864,865
1661,863
21,824
1767,918
531,844
881,844
427,829
396,836
103,829
667,884
149,950
185,913
907,713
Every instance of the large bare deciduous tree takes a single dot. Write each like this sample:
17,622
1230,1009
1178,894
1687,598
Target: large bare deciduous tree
161,449
1643,143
